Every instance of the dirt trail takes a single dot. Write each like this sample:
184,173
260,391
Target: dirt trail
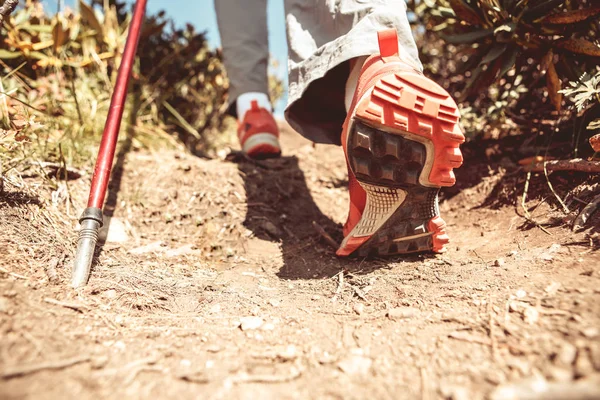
213,245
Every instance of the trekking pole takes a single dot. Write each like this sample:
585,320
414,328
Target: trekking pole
91,219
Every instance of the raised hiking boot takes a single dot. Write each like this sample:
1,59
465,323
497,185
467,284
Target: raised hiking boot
401,139
258,133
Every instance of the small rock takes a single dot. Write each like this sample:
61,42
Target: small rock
251,323
566,355
113,231
499,262
591,332
315,297
289,353
99,362
110,294
594,349
355,364
270,228
185,363
512,253
275,302
583,364
214,348
402,313
531,315
559,374
326,358
268,327
215,309
548,255
359,308
552,288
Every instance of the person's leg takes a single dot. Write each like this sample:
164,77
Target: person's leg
244,38
323,37
399,130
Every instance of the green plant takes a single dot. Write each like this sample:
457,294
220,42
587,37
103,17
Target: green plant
508,60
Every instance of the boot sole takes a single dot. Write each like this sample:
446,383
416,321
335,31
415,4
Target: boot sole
403,144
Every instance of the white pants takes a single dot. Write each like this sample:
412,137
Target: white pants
323,35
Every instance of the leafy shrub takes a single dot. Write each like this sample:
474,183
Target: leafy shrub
510,59
62,68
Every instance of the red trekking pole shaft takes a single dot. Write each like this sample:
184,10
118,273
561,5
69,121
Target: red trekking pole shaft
91,219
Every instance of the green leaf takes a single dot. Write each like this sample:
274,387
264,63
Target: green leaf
494,53
469,37
508,61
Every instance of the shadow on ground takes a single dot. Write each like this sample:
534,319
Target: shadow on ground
281,209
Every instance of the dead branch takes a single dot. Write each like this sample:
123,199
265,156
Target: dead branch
295,373
73,306
325,235
576,164
585,214
30,369
13,274
7,8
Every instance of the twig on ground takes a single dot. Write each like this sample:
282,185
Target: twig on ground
73,306
466,337
13,274
585,214
524,206
30,369
560,201
360,294
325,235
244,377
340,286
577,164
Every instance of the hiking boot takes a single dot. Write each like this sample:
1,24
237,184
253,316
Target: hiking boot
258,133
401,139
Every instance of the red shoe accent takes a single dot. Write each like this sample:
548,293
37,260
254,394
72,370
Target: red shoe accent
440,239
258,133
401,139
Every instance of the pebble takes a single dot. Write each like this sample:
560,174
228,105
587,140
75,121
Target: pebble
583,364
110,294
591,332
359,308
99,362
214,348
251,323
355,364
531,315
402,313
275,302
289,353
499,262
566,355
